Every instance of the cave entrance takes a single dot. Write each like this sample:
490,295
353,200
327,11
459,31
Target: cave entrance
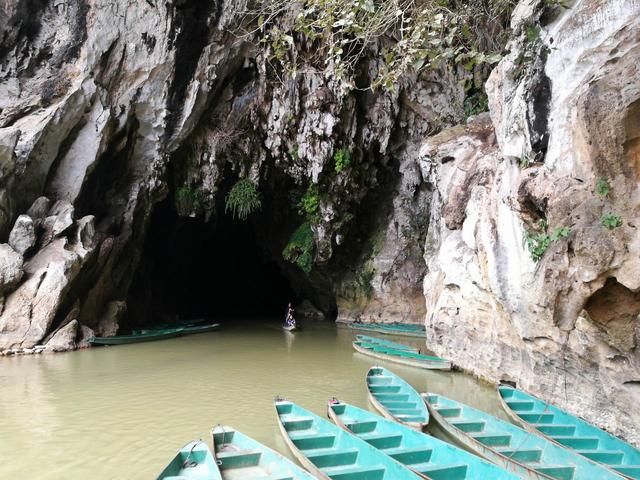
220,270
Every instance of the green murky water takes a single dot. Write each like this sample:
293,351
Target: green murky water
122,412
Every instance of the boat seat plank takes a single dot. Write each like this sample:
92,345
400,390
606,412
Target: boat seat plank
362,427
449,412
469,426
410,456
315,441
450,472
520,405
332,457
632,471
537,418
395,404
557,429
610,457
352,472
241,459
522,455
493,439
584,443
382,441
559,472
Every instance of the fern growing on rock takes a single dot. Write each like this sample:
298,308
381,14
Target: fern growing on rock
301,248
243,199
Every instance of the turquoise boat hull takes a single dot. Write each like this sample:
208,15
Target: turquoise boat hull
385,343
427,456
395,399
401,329
512,448
193,462
329,452
240,457
402,357
570,432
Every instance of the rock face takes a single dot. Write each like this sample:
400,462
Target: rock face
566,327
22,236
110,109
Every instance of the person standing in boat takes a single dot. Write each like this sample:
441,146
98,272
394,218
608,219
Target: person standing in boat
289,321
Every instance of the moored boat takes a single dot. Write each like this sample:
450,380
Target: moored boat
385,343
570,432
512,448
193,462
241,457
425,455
401,329
402,356
329,452
201,328
396,399
149,336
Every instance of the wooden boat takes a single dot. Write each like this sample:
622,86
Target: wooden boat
396,399
570,432
427,456
402,356
153,334
193,462
201,328
512,448
241,457
402,329
150,336
329,452
385,343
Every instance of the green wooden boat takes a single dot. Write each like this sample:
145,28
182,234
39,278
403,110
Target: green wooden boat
329,452
153,334
385,343
150,336
570,432
193,462
512,448
201,329
396,399
242,458
427,456
401,329
402,356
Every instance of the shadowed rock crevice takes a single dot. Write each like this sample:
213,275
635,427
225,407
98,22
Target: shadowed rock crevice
615,309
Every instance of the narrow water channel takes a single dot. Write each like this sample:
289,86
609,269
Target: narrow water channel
122,412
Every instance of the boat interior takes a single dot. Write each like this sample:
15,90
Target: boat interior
332,450
396,397
573,433
421,453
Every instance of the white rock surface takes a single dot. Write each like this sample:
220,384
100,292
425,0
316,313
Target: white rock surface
23,235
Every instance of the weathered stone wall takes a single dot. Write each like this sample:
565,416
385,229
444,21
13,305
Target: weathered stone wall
566,328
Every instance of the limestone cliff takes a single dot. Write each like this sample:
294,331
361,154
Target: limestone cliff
561,147
109,108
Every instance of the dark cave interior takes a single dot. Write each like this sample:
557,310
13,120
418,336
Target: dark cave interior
197,269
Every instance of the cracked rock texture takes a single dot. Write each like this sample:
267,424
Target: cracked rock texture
566,328
109,108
